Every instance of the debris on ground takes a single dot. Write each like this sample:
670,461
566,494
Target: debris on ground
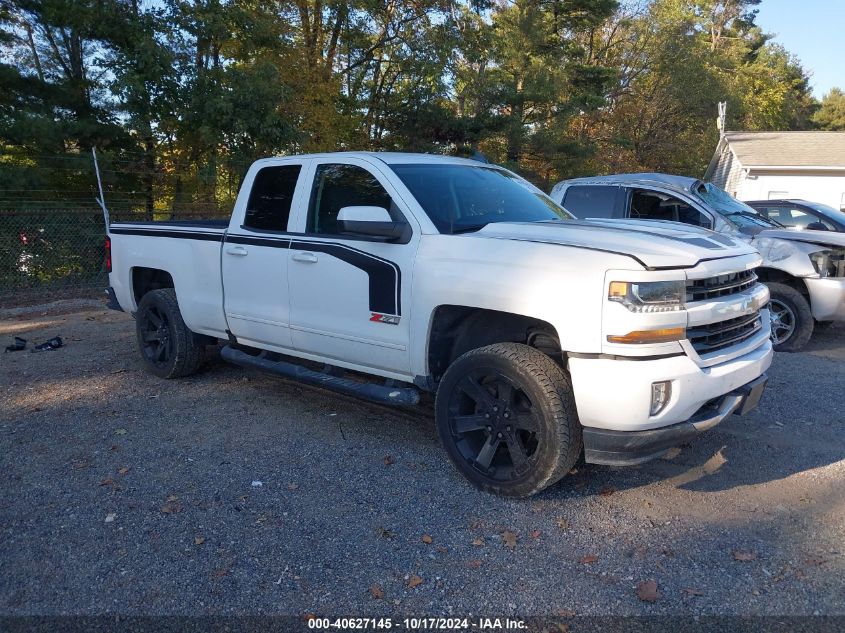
18,345
50,345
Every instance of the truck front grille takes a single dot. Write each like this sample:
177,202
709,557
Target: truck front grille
715,336
720,286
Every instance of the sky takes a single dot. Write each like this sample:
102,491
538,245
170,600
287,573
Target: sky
813,30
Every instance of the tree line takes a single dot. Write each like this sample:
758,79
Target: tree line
180,95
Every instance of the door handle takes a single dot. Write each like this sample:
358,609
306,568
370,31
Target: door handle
240,251
306,258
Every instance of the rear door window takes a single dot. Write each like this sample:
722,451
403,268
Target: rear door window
268,208
594,201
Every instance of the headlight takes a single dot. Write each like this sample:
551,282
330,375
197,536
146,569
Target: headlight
829,263
821,262
649,296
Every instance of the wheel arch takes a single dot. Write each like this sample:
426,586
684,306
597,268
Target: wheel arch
769,274
145,279
456,329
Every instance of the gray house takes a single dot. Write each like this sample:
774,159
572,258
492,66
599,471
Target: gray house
773,165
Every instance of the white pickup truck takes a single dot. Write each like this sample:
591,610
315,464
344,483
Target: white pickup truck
544,337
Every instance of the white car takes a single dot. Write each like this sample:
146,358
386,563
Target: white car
543,337
804,270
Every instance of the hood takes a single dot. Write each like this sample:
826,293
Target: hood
656,244
822,238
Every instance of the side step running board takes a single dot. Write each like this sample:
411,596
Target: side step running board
368,391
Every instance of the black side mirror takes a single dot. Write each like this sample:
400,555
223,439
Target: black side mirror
817,226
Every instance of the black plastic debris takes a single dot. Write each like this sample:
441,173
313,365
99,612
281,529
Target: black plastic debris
54,343
20,343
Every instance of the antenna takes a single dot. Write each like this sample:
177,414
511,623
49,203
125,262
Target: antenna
723,115
101,200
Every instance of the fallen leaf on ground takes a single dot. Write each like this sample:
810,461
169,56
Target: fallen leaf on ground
171,507
693,592
562,523
115,447
108,481
441,549
743,556
589,559
293,486
647,591
124,470
121,432
383,532
474,564
414,581
80,464
111,516
199,540
172,498
566,613
509,539
427,539
606,491
815,562
535,534
377,592
388,460
479,542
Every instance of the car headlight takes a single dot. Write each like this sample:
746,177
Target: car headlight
821,262
649,296
828,263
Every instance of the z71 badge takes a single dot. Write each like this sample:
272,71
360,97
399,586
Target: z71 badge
390,319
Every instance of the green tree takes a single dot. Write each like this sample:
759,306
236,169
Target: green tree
831,112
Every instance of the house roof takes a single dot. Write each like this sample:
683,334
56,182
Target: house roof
788,149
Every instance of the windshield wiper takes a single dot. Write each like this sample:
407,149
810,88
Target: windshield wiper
468,228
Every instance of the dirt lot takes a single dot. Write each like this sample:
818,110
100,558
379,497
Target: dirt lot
239,493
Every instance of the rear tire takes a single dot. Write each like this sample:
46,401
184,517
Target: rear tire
168,348
792,319
506,417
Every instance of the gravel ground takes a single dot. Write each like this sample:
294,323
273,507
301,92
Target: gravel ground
238,493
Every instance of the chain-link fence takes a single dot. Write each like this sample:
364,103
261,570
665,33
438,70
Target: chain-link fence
52,233
59,253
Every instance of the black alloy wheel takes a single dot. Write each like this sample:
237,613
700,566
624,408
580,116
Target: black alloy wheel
506,417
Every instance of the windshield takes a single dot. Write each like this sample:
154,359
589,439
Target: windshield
737,213
463,198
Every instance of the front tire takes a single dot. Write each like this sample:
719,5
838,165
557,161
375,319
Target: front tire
506,416
168,348
792,319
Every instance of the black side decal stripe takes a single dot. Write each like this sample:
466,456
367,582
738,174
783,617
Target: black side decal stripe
187,235
385,277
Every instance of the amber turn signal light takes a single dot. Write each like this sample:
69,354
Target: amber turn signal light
665,335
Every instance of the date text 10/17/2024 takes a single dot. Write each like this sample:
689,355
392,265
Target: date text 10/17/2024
417,624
